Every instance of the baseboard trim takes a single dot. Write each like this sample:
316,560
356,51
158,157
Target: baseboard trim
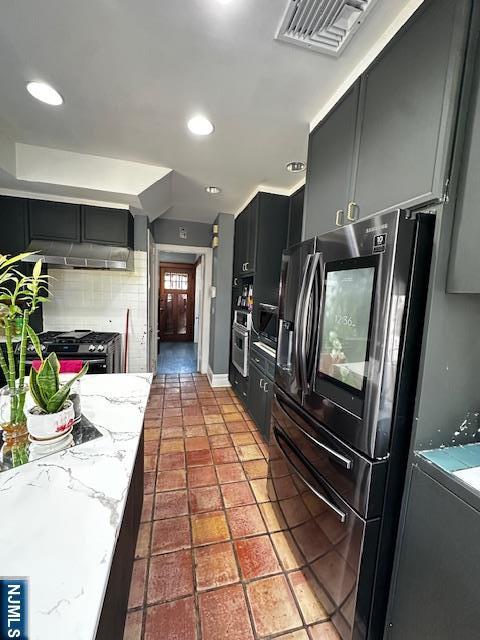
218,379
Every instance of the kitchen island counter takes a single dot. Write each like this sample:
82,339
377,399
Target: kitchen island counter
61,515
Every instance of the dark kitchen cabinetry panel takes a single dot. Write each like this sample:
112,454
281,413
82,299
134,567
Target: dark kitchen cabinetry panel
240,244
436,593
295,217
257,397
101,225
13,221
53,221
330,165
464,265
272,232
260,391
245,249
408,108
14,239
252,222
239,384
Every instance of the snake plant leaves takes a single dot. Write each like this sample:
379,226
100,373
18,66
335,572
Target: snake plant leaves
45,384
57,401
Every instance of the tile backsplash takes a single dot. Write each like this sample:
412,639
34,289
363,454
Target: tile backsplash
98,300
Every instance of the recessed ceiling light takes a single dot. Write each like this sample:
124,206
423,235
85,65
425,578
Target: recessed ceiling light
200,126
296,167
45,93
213,189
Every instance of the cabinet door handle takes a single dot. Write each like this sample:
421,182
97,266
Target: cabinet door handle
339,218
246,266
265,388
260,383
352,211
235,282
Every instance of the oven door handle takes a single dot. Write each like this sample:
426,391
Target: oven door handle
338,512
296,325
94,361
304,320
343,460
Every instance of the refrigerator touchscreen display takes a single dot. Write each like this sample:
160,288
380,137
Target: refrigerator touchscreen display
346,323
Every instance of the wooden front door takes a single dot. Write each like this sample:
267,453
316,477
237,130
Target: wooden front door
176,302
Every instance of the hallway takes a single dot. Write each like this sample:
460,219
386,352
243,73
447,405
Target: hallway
177,358
213,559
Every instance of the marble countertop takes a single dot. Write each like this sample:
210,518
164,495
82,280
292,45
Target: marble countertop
61,515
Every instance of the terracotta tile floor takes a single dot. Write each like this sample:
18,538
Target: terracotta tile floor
213,558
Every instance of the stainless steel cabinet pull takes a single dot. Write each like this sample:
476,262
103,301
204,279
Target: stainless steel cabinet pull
339,217
235,282
352,211
265,388
260,383
340,514
246,266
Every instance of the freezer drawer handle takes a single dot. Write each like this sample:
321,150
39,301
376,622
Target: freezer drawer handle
339,513
344,461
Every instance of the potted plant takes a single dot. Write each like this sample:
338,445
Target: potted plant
53,413
20,296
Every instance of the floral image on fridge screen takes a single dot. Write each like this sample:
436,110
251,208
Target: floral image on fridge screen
344,342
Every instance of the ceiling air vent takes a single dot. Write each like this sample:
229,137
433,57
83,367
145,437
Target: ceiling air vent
323,25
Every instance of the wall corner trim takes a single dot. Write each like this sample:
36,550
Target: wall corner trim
218,379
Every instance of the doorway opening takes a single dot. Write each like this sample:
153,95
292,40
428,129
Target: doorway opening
179,305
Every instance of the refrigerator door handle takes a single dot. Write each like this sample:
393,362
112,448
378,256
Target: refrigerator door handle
338,512
304,320
343,460
298,313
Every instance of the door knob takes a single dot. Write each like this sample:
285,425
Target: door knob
339,217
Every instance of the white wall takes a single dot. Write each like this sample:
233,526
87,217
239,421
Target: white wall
98,300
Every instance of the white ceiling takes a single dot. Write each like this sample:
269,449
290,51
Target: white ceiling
132,73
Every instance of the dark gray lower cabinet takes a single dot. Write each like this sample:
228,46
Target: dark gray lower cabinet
115,603
436,594
239,384
260,392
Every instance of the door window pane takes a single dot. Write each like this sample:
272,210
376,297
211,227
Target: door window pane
182,313
169,314
178,281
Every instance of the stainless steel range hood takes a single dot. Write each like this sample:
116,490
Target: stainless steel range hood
80,255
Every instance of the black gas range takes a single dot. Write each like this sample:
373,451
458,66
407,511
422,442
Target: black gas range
102,350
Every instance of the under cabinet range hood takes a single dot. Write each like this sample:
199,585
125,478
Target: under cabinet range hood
80,255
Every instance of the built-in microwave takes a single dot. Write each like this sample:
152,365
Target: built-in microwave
243,318
268,324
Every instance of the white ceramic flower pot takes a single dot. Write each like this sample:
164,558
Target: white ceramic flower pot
44,426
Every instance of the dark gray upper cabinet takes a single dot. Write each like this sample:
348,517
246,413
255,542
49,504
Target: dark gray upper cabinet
53,220
330,165
101,225
464,266
240,246
252,213
295,217
260,236
409,103
14,225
